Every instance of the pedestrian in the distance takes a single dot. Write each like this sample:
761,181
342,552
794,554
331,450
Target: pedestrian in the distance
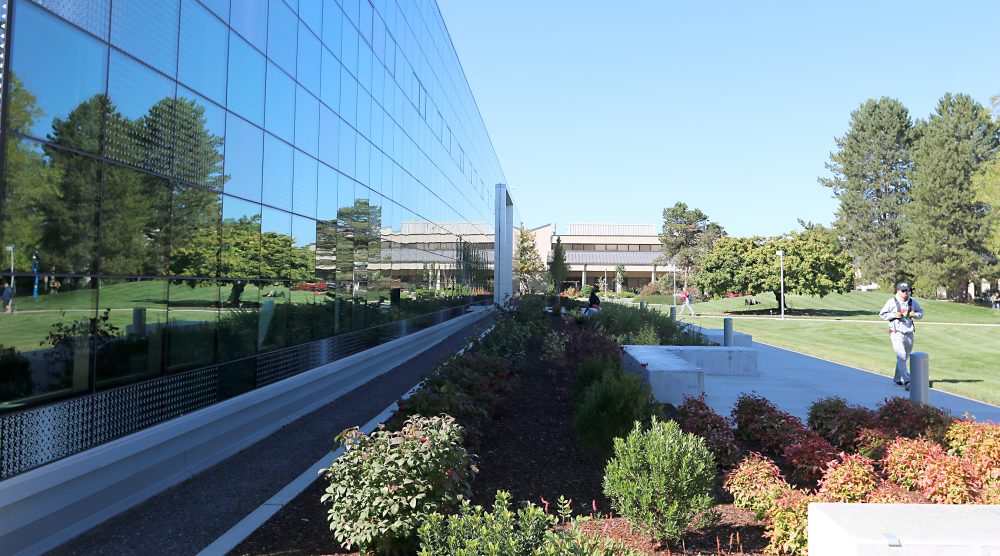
685,298
901,310
8,294
995,299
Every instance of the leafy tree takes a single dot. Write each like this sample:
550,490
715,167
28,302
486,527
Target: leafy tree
620,276
815,264
986,184
558,269
871,178
945,227
687,235
527,262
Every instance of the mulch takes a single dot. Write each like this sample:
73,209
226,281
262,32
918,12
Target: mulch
532,451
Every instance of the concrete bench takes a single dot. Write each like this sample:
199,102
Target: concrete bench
669,376
910,529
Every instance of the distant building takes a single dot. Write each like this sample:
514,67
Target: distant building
593,251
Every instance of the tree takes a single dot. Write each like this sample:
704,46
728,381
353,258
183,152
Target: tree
620,276
527,263
815,264
986,184
558,269
945,227
687,235
871,178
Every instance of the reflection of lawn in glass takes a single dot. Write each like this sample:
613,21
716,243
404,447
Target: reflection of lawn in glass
33,321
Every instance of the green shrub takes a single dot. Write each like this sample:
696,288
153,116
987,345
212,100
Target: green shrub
755,484
385,485
528,532
591,371
608,408
554,346
788,523
661,480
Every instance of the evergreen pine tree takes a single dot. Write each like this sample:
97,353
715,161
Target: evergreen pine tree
527,263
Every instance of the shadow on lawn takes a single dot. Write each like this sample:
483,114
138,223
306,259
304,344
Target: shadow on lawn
952,380
792,312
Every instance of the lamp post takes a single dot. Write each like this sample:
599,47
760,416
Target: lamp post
781,263
34,269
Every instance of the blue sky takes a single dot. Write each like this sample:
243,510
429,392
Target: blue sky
611,111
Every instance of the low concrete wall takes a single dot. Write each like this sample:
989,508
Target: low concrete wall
48,506
715,335
669,377
718,360
910,529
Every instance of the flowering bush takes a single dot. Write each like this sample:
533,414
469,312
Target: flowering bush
696,417
787,523
383,487
850,479
906,459
912,420
979,444
809,455
871,443
661,479
755,484
923,466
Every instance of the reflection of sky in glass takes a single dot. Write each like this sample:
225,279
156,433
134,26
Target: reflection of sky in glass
202,62
309,59
329,136
277,173
303,231
134,88
249,19
60,66
246,80
311,11
281,30
244,158
279,115
332,21
148,30
306,121
304,192
276,221
326,193
330,88
220,7
92,15
234,209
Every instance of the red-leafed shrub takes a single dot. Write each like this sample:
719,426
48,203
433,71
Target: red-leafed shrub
587,343
888,492
759,420
923,466
906,459
840,423
871,443
787,523
755,484
912,420
990,494
851,479
823,413
809,455
696,417
979,444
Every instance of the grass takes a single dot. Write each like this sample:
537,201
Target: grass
963,359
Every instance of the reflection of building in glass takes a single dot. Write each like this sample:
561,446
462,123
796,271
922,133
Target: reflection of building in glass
594,251
201,184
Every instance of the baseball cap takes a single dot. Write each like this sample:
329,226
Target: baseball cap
902,286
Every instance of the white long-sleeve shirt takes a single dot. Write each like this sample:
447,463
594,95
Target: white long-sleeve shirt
895,305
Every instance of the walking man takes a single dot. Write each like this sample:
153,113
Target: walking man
685,297
900,310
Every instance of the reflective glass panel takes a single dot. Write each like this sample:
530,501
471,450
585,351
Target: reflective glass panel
204,40
309,59
307,121
132,342
244,158
276,242
92,15
331,80
147,29
348,98
135,223
50,208
192,322
277,173
141,116
237,329
304,195
63,71
329,136
245,94
349,49
280,116
240,239
311,11
281,30
220,7
332,22
348,139
249,19
194,232
198,143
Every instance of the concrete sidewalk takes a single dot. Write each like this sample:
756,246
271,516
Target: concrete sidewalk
793,381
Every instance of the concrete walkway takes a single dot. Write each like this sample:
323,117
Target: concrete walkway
793,381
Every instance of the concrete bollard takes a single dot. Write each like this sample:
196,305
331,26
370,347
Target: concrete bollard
919,378
727,331
673,312
139,321
642,305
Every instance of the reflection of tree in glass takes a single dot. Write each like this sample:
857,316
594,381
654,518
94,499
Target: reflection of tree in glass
358,233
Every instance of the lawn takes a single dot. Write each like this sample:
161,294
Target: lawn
963,359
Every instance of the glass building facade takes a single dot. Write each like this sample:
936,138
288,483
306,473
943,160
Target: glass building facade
198,185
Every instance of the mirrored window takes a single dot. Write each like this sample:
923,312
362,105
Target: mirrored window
274,308
280,116
276,242
194,232
204,41
307,123
281,31
303,248
219,8
311,11
329,136
198,140
304,194
249,19
245,93
348,140
129,352
331,80
63,71
244,158
349,49
309,59
348,98
50,208
92,15
147,29
326,197
277,190
238,325
332,27
240,241
192,323
135,223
